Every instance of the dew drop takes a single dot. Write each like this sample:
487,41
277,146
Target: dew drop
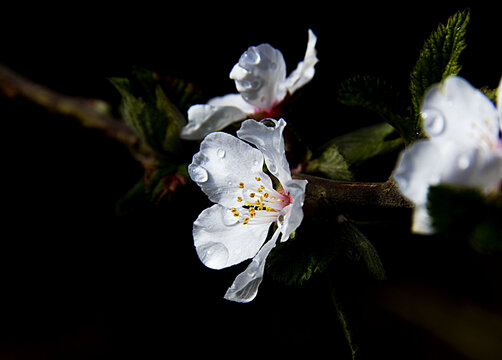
251,56
221,153
198,173
229,219
434,122
463,162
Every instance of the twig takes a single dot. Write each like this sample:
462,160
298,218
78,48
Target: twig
13,84
354,195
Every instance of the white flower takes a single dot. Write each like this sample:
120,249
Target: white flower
230,172
463,149
260,78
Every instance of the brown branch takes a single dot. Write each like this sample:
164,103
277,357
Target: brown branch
84,110
354,195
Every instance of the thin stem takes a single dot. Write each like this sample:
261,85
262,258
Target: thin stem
84,110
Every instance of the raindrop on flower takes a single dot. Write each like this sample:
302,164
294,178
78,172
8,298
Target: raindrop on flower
221,153
434,122
198,173
463,162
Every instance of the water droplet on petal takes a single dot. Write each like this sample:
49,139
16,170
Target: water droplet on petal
198,173
251,56
221,153
229,218
434,122
213,255
463,162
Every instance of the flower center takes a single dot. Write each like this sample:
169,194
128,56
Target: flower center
260,204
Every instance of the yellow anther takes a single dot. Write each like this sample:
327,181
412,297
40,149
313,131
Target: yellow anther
245,221
239,198
262,187
236,214
258,178
265,195
252,195
233,210
259,190
241,185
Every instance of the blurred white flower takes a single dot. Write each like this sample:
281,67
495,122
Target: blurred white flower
260,79
230,172
463,147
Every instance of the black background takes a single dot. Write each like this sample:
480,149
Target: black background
78,282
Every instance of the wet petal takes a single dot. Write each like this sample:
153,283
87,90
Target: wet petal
222,241
305,70
204,119
270,142
245,285
225,166
293,213
259,75
455,110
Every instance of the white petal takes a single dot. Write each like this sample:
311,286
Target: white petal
222,164
440,161
221,241
233,100
305,70
419,166
477,168
422,222
293,213
258,76
245,285
499,102
455,110
204,119
270,142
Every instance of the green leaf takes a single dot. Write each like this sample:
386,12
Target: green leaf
344,321
360,249
331,164
462,213
147,110
297,260
438,59
366,143
377,95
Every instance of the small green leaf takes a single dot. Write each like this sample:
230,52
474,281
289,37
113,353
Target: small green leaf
377,95
360,249
344,322
366,143
438,59
147,110
331,164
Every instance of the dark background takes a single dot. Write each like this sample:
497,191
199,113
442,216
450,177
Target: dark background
78,282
